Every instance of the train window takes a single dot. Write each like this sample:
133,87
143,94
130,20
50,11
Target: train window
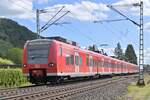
87,60
99,64
67,60
77,60
37,52
110,64
91,62
94,63
72,59
105,64
80,61
60,51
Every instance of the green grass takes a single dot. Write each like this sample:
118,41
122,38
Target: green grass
12,78
139,93
5,61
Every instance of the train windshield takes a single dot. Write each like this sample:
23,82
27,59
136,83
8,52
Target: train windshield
37,52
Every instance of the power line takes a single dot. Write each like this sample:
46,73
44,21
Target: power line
111,7
111,20
76,30
55,21
141,39
88,29
52,18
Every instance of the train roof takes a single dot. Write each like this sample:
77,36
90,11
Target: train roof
61,39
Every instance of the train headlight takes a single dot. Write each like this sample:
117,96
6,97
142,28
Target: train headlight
51,64
24,65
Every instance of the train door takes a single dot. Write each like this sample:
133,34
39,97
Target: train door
76,63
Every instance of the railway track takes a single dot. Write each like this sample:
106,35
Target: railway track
62,91
14,91
69,93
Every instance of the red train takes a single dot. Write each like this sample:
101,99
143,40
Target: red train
55,59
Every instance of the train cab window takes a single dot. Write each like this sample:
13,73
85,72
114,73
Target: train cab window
60,51
77,60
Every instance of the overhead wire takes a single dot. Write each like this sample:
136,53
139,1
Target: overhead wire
52,18
107,28
89,31
55,21
76,30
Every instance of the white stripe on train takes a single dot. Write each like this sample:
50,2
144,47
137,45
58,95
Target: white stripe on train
79,74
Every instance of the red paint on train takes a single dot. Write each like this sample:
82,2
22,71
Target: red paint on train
58,59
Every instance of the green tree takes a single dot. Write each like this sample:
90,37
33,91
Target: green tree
90,48
119,52
130,54
93,48
15,54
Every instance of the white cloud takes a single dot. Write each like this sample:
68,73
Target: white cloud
16,9
147,56
109,51
135,10
85,10
147,26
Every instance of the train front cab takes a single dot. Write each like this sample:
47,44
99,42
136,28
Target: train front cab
39,60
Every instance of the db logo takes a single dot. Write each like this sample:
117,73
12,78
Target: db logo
37,66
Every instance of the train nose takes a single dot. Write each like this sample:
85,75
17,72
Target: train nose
37,73
38,76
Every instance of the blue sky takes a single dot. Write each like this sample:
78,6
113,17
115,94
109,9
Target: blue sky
81,28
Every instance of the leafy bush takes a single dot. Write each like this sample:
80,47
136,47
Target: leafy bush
15,55
12,77
5,61
4,47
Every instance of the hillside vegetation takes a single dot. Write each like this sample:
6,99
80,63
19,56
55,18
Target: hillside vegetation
12,39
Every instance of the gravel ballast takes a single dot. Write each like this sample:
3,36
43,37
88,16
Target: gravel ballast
111,92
